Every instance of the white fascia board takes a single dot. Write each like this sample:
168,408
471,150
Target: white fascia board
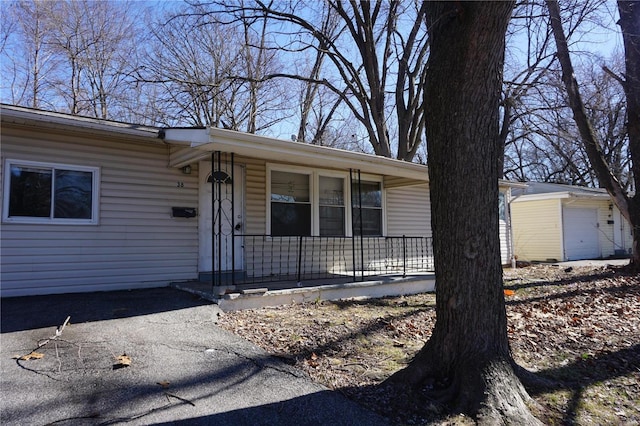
65,122
283,151
187,136
559,195
503,183
600,196
538,197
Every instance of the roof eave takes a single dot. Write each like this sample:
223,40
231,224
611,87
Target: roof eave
282,151
18,116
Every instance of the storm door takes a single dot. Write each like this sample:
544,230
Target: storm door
221,221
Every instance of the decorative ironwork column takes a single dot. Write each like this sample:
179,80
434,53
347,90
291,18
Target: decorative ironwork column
223,231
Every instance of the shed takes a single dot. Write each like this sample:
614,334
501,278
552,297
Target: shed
556,222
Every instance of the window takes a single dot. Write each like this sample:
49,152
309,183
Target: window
502,206
50,193
331,206
304,202
367,208
290,203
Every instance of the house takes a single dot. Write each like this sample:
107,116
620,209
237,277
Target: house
92,205
554,222
95,205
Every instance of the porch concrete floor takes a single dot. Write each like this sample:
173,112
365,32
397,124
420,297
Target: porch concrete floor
256,295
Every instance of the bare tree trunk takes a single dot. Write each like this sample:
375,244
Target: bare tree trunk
630,25
467,359
627,205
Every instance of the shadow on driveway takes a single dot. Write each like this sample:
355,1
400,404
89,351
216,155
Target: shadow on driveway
183,369
31,312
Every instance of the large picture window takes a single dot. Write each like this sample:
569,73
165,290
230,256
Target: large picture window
305,202
50,193
367,208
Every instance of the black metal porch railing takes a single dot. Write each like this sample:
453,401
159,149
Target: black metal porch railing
299,258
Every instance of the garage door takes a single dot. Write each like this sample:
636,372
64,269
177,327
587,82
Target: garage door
580,231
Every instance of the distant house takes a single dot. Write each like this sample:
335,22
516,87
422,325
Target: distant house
554,222
95,205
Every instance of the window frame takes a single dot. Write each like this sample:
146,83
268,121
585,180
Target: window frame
294,170
315,206
382,208
314,187
51,220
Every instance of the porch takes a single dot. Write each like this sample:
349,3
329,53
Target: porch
284,269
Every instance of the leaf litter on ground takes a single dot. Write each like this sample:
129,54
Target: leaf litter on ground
578,328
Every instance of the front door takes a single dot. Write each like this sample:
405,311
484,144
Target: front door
221,218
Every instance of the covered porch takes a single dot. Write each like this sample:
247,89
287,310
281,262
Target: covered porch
279,219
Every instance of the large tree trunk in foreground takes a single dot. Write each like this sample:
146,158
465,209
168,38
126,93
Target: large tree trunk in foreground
630,24
467,360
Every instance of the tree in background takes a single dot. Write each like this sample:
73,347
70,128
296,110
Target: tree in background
373,49
628,204
28,78
545,145
192,61
74,55
540,138
467,361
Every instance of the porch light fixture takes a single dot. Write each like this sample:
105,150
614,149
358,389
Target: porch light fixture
186,170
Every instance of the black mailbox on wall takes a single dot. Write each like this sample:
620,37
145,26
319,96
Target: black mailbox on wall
184,211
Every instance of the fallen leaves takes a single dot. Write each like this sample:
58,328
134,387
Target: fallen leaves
122,361
29,356
558,320
313,361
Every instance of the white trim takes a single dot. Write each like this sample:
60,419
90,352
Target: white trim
561,230
559,195
95,194
273,150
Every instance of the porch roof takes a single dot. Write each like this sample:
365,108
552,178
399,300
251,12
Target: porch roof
197,144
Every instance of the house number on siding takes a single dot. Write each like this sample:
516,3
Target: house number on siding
180,185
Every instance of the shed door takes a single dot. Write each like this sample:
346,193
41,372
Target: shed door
580,231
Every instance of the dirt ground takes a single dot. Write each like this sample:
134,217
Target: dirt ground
579,328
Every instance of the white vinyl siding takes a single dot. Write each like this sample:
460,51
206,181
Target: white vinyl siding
408,211
504,228
137,243
255,190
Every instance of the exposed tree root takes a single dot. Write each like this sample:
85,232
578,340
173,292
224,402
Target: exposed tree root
489,391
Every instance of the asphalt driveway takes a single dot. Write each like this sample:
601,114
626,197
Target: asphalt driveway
183,368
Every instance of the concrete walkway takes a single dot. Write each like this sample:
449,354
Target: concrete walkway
184,369
605,262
